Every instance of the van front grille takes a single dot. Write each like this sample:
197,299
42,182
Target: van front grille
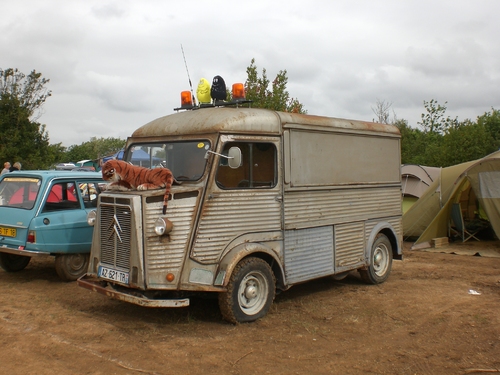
116,225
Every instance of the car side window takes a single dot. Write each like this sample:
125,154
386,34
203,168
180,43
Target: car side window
62,196
258,169
90,192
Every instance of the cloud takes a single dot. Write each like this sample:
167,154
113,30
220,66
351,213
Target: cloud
108,10
116,65
124,94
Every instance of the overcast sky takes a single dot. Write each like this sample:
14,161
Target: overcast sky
116,65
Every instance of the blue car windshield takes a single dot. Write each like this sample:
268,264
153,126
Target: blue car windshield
19,192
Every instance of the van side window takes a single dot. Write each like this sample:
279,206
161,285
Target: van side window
258,169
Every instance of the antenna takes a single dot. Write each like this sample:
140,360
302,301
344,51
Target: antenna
189,78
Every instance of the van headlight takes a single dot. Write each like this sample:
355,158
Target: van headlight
91,218
163,226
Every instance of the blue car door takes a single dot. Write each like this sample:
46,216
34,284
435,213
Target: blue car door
61,226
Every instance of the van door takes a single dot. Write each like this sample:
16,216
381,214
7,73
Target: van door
242,204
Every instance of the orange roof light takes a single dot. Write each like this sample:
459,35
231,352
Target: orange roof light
238,91
186,99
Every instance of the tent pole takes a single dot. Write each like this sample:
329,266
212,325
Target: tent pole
440,194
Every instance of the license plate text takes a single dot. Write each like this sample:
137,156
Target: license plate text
113,275
8,232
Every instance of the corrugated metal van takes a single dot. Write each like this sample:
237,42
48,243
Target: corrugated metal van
265,200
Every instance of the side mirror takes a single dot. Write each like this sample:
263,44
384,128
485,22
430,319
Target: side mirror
234,157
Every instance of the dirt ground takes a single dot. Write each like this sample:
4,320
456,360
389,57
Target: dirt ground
426,319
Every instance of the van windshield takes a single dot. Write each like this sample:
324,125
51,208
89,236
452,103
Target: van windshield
19,192
186,159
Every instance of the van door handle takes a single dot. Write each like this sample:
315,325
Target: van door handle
279,198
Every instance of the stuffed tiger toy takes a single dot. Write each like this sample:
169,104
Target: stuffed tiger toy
125,176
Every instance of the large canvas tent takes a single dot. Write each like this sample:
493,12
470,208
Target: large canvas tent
475,185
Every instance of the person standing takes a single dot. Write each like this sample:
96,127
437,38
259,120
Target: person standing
15,167
6,167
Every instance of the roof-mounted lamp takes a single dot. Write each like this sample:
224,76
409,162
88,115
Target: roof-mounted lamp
186,100
238,92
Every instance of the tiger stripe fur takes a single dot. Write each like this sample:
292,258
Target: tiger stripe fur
125,176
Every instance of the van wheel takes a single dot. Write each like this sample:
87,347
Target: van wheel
13,263
380,265
70,267
250,292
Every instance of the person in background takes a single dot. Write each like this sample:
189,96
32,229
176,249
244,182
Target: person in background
15,167
6,167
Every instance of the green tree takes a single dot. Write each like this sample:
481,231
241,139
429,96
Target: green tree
56,153
465,142
29,90
491,122
433,121
271,95
442,141
412,144
94,149
22,138
430,137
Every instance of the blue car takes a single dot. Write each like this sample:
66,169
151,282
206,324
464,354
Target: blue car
45,213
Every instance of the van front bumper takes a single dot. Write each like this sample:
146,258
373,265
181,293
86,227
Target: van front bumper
137,298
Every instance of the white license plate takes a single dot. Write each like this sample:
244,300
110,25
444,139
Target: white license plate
113,275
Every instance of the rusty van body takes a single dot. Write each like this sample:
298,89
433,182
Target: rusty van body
265,200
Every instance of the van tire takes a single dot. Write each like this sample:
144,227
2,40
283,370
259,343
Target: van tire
13,263
71,267
380,262
250,292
